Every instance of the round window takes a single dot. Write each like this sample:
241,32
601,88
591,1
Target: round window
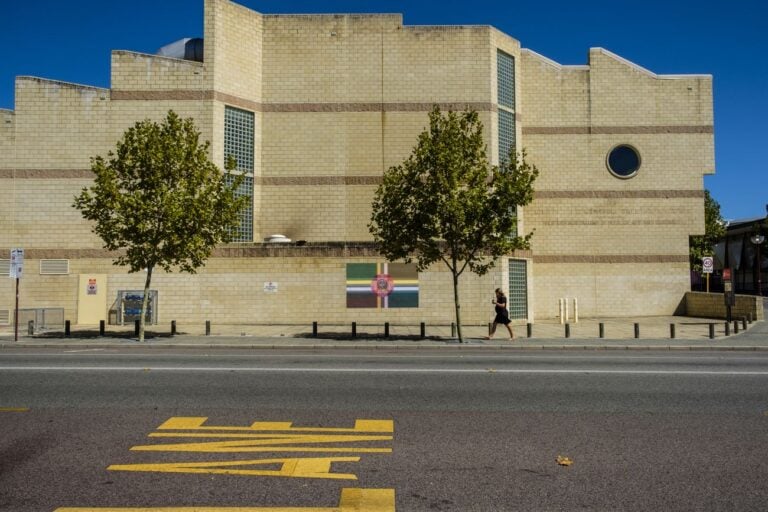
623,161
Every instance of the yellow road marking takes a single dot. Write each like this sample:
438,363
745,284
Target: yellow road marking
264,442
196,423
319,467
14,409
352,500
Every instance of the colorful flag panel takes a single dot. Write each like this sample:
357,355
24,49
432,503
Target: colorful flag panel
382,285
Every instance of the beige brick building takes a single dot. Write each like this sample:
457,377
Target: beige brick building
316,108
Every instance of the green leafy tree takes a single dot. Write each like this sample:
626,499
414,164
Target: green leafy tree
714,231
160,201
447,203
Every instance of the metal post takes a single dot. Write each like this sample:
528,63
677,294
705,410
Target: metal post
744,322
529,327
173,327
423,327
567,330
637,330
672,331
354,329
711,331
386,329
16,314
136,327
735,327
67,328
602,329
728,328
314,329
102,327
207,327
453,330
31,327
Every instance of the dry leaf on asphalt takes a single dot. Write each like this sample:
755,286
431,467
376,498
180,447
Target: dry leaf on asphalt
564,461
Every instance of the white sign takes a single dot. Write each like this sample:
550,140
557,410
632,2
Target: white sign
707,264
17,262
270,287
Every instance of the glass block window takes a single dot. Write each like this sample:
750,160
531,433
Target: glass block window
518,289
506,79
244,232
238,138
238,143
506,134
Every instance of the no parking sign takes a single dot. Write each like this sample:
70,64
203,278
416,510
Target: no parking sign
707,264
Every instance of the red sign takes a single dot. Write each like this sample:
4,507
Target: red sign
726,274
382,285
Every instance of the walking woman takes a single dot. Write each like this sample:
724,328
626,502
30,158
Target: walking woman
502,315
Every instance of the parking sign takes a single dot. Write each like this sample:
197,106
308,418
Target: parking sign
17,263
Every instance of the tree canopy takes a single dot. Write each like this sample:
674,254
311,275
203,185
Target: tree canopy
159,200
714,230
447,203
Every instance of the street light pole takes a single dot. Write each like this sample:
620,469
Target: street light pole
758,240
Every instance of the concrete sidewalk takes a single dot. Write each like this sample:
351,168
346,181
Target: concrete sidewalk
619,334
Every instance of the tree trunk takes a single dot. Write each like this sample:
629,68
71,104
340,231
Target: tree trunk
456,303
144,303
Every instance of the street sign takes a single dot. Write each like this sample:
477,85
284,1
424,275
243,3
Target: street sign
17,262
708,264
726,274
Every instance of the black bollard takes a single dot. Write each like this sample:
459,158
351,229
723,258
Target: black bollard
567,330
490,326
173,327
735,327
727,328
207,327
637,330
31,327
744,323
423,328
135,327
749,317
386,329
453,330
354,329
67,328
314,329
102,328
672,331
711,331
529,329
602,329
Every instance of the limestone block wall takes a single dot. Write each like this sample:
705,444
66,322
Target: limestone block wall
622,244
712,305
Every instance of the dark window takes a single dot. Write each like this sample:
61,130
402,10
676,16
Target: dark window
623,161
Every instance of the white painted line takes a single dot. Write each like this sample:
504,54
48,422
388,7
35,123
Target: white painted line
586,371
84,350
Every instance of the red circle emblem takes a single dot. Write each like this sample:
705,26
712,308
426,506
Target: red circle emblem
382,285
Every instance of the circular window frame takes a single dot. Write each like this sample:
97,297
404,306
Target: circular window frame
617,174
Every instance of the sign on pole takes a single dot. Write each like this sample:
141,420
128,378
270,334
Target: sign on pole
707,264
17,263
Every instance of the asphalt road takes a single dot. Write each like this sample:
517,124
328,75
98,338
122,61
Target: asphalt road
470,431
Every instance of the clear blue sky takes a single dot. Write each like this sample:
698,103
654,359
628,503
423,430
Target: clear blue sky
71,41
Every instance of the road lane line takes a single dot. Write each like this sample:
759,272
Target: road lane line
236,369
14,409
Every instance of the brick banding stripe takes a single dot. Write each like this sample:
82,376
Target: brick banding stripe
45,174
611,258
616,130
618,194
236,101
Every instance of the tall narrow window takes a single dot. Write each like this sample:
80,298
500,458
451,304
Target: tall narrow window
238,143
518,289
505,79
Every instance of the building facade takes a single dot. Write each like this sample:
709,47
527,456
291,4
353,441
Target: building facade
315,108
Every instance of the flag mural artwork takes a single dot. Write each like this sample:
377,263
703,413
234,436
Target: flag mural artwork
382,285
